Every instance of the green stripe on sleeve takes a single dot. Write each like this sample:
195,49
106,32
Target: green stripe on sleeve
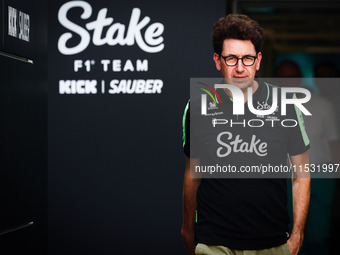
184,119
268,92
301,124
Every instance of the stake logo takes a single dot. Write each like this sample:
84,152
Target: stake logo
150,41
237,145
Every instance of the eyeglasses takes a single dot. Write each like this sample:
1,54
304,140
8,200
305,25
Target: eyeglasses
233,60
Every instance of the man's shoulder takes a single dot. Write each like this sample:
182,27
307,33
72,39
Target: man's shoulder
270,86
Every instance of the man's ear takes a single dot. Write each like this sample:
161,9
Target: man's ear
258,61
217,61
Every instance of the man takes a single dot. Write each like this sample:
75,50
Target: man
244,216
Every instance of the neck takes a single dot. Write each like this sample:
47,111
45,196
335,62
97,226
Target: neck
254,87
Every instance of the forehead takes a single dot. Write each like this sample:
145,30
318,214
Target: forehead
238,47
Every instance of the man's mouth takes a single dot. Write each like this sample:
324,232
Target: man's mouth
240,78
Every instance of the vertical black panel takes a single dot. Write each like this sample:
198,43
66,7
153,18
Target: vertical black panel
115,160
1,23
23,136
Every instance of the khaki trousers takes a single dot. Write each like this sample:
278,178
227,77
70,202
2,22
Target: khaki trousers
202,249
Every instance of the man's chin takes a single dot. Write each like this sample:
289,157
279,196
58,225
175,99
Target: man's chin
241,83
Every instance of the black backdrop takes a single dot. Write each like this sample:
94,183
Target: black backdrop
23,131
115,160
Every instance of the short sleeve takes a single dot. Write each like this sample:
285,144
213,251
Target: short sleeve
186,130
190,140
298,141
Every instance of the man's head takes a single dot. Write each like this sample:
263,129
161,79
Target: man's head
237,36
329,87
288,69
326,70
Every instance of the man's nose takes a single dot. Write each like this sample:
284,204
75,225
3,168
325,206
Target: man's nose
239,66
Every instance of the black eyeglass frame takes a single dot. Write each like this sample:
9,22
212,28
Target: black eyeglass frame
225,59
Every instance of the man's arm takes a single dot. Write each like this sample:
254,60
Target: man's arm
301,196
189,207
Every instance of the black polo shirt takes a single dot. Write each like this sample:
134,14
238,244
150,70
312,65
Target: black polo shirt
243,213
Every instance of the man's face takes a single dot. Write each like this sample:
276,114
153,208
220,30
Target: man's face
239,75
